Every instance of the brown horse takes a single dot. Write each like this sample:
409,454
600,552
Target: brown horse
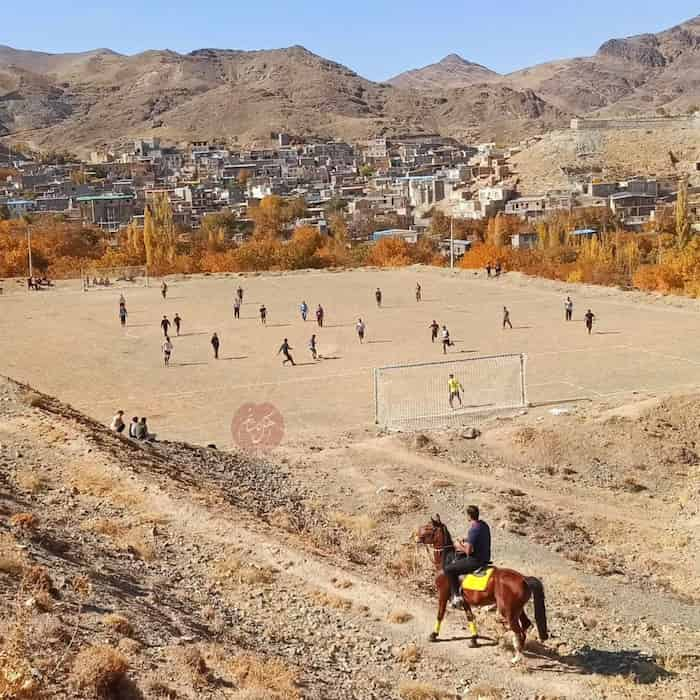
508,589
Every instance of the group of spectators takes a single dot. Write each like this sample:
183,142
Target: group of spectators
137,429
36,283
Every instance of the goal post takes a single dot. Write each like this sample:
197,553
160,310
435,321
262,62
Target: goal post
416,396
114,277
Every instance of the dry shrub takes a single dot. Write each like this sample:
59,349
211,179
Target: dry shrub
273,677
399,617
118,623
341,584
32,398
105,526
401,504
405,561
191,661
18,678
361,524
25,521
141,544
99,669
409,654
12,560
232,570
422,691
328,600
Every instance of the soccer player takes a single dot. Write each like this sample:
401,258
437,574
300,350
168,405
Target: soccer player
263,315
122,314
177,321
446,342
506,318
378,297
455,389
319,316
589,320
434,328
236,308
167,350
312,347
360,328
215,343
568,309
419,293
164,289
303,310
165,325
284,349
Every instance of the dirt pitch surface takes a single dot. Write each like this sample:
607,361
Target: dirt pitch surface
70,344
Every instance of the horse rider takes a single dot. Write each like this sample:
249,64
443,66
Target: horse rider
471,554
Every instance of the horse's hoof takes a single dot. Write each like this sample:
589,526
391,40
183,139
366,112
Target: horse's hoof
433,637
472,643
516,659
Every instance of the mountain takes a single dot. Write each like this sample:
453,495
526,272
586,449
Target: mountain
80,101
452,72
625,76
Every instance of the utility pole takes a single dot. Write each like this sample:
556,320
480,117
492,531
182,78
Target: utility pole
29,249
452,244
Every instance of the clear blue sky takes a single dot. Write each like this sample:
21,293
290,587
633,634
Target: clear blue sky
377,39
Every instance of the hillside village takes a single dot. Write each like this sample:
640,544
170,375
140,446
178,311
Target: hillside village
383,187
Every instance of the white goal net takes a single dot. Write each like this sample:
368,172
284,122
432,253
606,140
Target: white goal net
417,396
114,277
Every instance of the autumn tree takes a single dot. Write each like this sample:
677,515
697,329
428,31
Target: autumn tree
274,215
682,217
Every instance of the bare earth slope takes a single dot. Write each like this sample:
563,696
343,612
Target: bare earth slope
171,571
83,100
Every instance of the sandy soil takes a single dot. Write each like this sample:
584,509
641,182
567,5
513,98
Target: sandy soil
70,344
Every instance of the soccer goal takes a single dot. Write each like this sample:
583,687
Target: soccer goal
114,277
416,396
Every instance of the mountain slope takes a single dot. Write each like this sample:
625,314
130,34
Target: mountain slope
453,71
84,100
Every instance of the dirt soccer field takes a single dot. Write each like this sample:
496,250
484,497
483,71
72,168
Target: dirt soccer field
70,343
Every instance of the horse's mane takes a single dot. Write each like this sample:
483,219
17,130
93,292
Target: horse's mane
448,538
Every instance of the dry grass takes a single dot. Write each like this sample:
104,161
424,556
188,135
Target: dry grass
341,583
440,483
13,561
232,570
32,398
409,654
328,600
271,677
99,669
361,524
406,562
118,623
423,691
399,617
29,480
400,504
136,539
89,478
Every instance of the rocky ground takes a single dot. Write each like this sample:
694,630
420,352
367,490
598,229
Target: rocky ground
172,571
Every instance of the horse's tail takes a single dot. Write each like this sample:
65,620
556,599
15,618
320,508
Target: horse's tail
537,589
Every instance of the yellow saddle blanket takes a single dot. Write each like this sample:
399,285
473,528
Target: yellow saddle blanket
478,582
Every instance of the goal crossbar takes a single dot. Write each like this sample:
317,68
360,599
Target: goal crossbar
416,395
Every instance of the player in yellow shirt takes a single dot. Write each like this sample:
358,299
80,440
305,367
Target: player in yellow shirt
455,388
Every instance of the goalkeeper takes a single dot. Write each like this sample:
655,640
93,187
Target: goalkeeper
455,389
